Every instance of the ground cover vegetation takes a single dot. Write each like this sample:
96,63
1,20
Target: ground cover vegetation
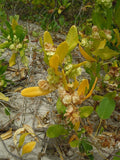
93,28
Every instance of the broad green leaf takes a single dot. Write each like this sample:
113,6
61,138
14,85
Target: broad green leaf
3,97
54,62
86,56
12,60
22,139
34,92
48,38
105,108
72,38
4,45
74,143
102,44
85,146
115,157
85,111
28,147
55,131
105,53
60,107
62,51
82,87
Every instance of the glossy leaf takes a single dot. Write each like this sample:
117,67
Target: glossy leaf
85,111
22,139
27,148
85,55
105,108
83,86
105,53
60,107
62,51
72,38
55,131
34,92
12,60
48,38
3,97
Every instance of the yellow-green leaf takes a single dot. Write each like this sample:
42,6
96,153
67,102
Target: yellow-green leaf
14,23
72,38
105,53
79,64
83,86
48,38
90,93
12,60
22,139
64,80
34,92
54,62
102,44
85,111
28,147
3,97
62,51
86,56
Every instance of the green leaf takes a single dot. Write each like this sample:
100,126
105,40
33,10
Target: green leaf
115,157
55,131
85,111
106,107
97,98
7,111
74,143
105,53
60,107
116,13
85,146
22,139
72,38
20,33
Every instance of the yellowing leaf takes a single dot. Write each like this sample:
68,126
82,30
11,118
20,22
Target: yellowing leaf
90,93
86,56
105,53
74,137
48,38
22,139
28,147
14,23
64,80
3,97
18,131
34,92
62,51
7,134
72,38
102,44
12,60
54,62
79,64
83,86
77,125
75,83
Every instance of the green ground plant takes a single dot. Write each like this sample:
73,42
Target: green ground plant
73,91
14,39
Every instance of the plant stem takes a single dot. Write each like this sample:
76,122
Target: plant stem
98,127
